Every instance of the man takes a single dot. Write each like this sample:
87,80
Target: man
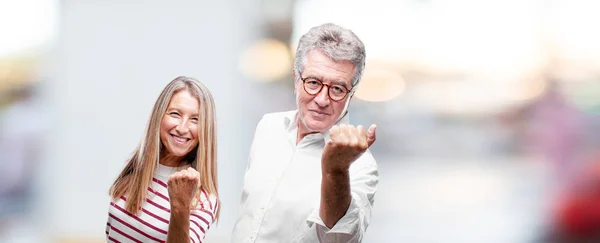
310,177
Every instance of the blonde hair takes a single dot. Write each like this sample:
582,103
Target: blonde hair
137,175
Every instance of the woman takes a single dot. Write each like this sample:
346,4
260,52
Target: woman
167,191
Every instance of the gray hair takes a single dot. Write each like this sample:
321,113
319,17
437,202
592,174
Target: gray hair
337,43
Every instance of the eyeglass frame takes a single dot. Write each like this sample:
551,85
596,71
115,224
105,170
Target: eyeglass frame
328,88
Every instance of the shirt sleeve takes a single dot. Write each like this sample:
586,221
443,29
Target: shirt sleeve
107,229
259,130
364,178
202,217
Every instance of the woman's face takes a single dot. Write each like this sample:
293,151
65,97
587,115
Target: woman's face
179,125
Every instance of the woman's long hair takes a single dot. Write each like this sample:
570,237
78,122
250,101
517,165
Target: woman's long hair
137,175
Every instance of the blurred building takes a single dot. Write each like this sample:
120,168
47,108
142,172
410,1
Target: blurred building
472,135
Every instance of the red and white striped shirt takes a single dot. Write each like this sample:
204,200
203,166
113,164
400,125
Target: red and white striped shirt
152,223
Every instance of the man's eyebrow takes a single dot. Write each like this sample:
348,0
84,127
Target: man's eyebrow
314,77
341,83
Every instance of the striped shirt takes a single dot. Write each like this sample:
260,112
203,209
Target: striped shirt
152,222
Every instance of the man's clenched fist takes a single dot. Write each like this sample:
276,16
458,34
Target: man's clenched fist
346,144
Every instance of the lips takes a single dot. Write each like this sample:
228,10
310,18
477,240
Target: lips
179,140
319,115
317,112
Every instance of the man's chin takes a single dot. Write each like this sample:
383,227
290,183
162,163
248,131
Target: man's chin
317,126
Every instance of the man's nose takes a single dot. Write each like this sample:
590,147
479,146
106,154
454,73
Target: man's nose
322,98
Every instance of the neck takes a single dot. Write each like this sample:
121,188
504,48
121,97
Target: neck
303,131
167,159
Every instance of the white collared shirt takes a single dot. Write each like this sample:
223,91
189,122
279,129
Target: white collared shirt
282,188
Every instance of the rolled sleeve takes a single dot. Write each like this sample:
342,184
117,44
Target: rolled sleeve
349,228
353,225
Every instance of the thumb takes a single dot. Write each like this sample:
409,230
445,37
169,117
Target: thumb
371,134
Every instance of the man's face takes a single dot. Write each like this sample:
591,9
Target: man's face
319,112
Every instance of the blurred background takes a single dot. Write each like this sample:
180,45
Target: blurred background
488,112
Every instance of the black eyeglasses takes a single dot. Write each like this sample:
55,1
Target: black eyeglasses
313,86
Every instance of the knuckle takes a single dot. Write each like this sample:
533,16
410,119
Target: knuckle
337,144
364,146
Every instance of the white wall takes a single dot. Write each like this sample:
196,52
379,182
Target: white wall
111,62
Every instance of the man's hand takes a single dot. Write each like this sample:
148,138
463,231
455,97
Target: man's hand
182,186
346,144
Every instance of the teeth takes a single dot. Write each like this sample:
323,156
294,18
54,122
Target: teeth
180,139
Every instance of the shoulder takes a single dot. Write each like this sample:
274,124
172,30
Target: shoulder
273,120
208,206
276,117
209,201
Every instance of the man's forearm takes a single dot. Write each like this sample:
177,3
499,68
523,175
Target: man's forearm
179,226
335,197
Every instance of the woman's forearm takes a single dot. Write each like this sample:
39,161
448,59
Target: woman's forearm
179,226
